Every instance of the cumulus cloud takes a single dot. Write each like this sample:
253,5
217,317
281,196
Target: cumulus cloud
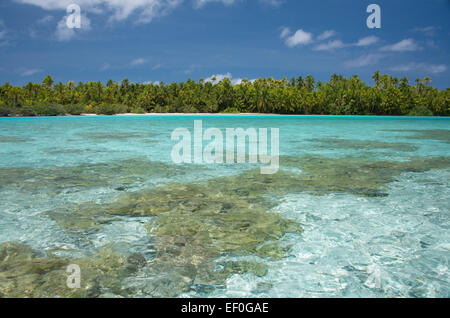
369,40
64,33
105,67
421,67
326,35
285,32
220,77
190,69
146,10
429,30
3,34
403,45
300,37
364,60
201,3
29,72
436,68
152,82
274,3
338,44
138,61
331,45
46,19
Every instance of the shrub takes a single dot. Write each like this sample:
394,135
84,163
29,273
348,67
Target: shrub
111,109
48,109
190,109
89,109
74,109
25,110
230,110
137,110
5,111
420,111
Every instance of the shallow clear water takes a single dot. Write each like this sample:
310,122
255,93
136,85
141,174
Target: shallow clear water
374,224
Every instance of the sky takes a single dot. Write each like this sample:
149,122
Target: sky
173,40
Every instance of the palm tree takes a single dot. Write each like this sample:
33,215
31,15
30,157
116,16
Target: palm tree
48,81
376,78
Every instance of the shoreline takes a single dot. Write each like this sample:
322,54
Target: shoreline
223,115
246,114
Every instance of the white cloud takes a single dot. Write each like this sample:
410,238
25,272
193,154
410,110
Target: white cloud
403,45
331,45
146,10
221,77
218,78
429,30
33,33
285,32
3,34
29,72
157,66
152,82
326,34
46,19
437,68
369,40
422,67
200,3
105,67
432,44
143,11
138,61
404,67
64,33
300,37
190,70
364,60
274,3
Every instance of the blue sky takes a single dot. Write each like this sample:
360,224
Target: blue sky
173,40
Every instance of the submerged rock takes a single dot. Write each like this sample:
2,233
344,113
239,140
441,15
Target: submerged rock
432,134
23,273
106,136
338,143
13,139
135,261
120,174
86,217
194,226
354,175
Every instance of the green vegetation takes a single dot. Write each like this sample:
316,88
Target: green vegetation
338,96
431,134
25,273
201,233
338,143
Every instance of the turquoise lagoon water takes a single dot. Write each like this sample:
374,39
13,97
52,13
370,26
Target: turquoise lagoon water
372,204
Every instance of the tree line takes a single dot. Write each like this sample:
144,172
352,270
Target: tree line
339,96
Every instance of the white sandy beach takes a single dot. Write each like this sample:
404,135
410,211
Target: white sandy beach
190,114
